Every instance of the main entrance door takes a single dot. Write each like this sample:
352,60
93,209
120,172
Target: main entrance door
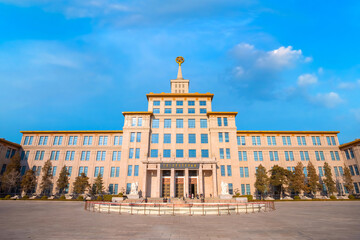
179,188
166,187
193,187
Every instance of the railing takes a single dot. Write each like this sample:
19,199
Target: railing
179,209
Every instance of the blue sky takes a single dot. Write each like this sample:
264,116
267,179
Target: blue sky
77,65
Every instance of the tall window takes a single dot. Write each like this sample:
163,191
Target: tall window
271,140
137,153
58,140
204,138
167,138
116,156
316,140
179,138
192,138
131,153
138,137
139,122
70,155
219,121
72,140
100,155
289,156
225,122
118,140
256,140
301,140
133,122
28,140
229,170
204,153
242,155
228,153
103,140
221,151
191,123
167,123
179,153
129,170
321,173
258,156
304,156
132,137
166,153
136,170
220,137
43,140
192,153
87,140
154,138
226,137
179,123
222,168
286,141
155,123
240,140
331,140
203,123
274,156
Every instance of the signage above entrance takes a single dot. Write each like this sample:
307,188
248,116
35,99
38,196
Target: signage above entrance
179,165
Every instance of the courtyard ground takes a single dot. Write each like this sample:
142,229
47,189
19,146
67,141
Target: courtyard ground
69,220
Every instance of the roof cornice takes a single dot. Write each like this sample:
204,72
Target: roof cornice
349,143
179,95
73,131
287,132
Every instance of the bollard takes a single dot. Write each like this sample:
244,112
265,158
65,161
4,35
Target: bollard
99,207
93,207
228,209
145,209
259,207
190,209
173,210
120,208
246,207
159,209
203,210
109,209
85,205
237,208
131,209
218,210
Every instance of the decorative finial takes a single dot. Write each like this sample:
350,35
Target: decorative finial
180,60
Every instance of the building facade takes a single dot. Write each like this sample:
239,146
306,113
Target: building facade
179,147
7,151
351,154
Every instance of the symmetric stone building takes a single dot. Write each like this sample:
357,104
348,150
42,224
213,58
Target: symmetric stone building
351,154
179,147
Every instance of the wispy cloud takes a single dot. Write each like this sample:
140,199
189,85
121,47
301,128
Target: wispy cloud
329,100
349,85
307,79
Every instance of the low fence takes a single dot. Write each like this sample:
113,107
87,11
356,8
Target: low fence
179,209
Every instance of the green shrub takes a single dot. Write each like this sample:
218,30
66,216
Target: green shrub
249,197
99,198
25,197
351,196
332,197
80,198
297,198
44,198
120,194
62,197
7,197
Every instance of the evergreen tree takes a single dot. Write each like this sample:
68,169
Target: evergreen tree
262,181
28,181
81,184
63,180
313,179
297,179
279,177
328,180
99,185
46,179
10,180
348,182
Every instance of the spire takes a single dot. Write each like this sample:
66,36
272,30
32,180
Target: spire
179,85
179,60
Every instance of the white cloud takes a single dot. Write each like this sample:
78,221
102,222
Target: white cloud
308,59
307,79
329,100
238,71
280,58
349,85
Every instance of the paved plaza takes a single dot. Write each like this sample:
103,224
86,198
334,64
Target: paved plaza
69,220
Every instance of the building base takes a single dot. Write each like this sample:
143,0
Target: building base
225,196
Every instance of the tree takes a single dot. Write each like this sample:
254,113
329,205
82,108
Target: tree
262,181
279,177
348,182
11,177
297,179
63,180
99,185
46,179
81,184
313,179
28,181
328,180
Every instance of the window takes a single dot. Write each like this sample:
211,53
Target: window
192,138
203,123
112,172
179,123
336,171
179,138
166,153
204,138
167,110
83,170
70,155
321,173
219,121
179,111
221,150
256,140
138,137
133,122
137,153
202,110
204,153
225,122
356,187
179,103
316,141
240,140
229,170
37,154
179,153
103,140
72,140
118,140
332,155
286,141
87,140
136,170
258,156
304,155
116,156
154,138
351,170
167,138
191,103
100,155
43,140
28,140
58,140
129,171
220,137
155,123
356,169
191,110
167,123
154,153
139,122
242,155
289,155
192,153
156,103
305,171
244,172
274,156
167,103
301,141
248,189
243,189
228,153
319,155
191,123
132,137
222,168
337,156
331,140
131,153
351,153
271,140
202,103
156,110
226,137
3,169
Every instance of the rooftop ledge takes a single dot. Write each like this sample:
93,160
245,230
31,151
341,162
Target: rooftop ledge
179,95
349,143
287,132
74,131
222,113
137,113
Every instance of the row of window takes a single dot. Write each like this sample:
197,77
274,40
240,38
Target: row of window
179,138
22,169
286,140
179,103
154,153
70,155
289,155
179,110
179,123
73,140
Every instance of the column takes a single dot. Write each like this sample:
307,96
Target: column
158,180
172,183
144,181
186,182
214,180
201,187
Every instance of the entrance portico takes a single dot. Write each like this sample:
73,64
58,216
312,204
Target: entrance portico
179,179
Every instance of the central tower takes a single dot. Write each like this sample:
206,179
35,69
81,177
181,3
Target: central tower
179,85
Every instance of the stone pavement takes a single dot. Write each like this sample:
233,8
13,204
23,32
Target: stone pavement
69,220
